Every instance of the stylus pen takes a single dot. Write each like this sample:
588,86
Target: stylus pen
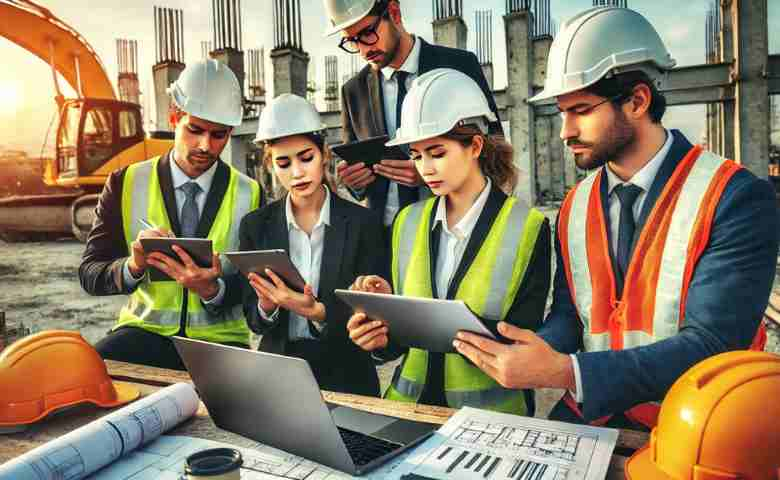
146,224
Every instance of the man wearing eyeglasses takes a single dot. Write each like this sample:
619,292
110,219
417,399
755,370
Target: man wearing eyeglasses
666,252
371,101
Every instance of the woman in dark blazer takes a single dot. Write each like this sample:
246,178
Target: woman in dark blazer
330,241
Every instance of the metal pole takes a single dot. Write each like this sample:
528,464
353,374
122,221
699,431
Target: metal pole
240,28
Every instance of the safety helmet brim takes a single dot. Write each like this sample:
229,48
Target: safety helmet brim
335,29
640,466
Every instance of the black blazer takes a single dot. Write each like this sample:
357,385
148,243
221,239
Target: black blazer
363,112
101,266
354,246
527,310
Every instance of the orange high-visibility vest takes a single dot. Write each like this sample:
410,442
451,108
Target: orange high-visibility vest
652,305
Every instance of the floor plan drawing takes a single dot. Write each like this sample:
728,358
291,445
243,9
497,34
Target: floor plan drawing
481,444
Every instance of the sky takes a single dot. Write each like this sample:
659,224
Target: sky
27,92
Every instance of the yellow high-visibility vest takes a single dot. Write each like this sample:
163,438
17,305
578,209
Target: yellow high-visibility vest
156,306
489,288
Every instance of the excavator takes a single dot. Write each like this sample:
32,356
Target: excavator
96,132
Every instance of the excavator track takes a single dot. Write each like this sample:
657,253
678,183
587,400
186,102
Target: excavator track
32,218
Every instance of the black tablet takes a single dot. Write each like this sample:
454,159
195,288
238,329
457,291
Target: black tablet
256,261
197,248
369,151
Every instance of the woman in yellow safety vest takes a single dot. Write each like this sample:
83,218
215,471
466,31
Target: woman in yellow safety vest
329,240
470,242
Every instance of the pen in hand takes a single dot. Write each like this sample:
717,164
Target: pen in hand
148,225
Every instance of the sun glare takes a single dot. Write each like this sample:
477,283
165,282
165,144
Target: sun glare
10,97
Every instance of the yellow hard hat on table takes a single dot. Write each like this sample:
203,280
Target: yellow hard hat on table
719,421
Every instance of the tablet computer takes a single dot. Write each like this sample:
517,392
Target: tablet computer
426,323
197,248
256,261
369,151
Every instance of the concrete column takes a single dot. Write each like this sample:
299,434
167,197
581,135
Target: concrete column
234,59
291,67
557,159
519,112
451,32
487,70
541,51
752,91
549,147
543,140
727,128
164,75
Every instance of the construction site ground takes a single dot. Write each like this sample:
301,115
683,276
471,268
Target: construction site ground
39,288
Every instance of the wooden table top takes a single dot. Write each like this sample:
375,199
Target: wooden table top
148,380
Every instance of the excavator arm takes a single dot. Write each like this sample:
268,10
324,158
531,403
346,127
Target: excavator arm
41,33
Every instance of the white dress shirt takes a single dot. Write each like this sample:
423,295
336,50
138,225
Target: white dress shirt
453,241
643,179
178,179
306,254
389,84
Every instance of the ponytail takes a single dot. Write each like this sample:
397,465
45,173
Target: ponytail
496,159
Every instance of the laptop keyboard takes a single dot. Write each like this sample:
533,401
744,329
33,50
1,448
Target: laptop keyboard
364,448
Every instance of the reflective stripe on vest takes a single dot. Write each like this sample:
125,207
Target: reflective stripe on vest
156,306
652,306
513,235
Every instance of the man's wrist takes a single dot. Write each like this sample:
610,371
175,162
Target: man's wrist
567,380
209,291
319,313
135,271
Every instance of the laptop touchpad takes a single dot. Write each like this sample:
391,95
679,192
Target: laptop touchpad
360,421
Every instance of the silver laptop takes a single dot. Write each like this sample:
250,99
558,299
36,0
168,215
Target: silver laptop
275,400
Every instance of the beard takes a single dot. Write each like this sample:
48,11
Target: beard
616,139
388,56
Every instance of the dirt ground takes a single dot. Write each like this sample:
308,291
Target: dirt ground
39,288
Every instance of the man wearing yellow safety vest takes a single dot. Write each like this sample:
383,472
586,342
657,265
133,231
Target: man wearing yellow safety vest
189,192
666,252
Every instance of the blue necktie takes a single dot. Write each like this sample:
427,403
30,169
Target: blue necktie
627,194
189,212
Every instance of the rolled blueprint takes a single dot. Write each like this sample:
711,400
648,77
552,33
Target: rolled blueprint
87,449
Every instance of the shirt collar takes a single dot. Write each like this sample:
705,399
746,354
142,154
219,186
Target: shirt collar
646,175
466,224
179,178
324,212
411,64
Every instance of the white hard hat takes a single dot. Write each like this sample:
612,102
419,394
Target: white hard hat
439,101
343,14
599,42
209,90
288,115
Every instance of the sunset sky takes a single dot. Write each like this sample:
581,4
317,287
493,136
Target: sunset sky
26,90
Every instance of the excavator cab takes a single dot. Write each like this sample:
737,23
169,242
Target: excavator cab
91,136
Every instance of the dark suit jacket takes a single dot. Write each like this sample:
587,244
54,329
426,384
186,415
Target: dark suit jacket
354,246
527,310
363,112
726,300
101,266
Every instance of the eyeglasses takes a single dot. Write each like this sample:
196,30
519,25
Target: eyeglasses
367,36
586,109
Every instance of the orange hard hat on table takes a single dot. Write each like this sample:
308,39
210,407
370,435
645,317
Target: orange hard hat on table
51,370
720,420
